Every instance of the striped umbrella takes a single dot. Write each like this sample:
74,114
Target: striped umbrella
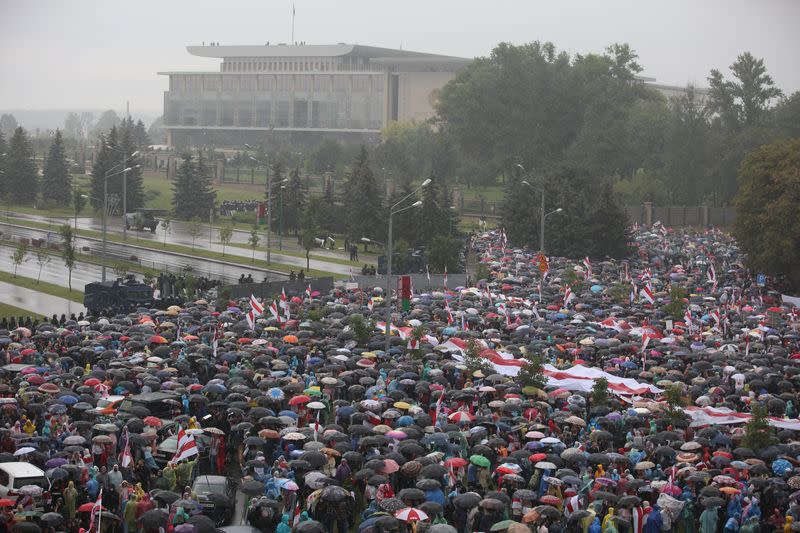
410,514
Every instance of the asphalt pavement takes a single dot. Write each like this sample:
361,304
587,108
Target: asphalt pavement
37,302
155,259
207,240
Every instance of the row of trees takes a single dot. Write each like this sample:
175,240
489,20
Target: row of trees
20,182
116,153
590,111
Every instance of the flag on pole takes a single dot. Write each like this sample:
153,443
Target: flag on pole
647,293
428,274
438,408
273,309
449,313
126,458
568,296
588,266
445,277
687,317
256,309
96,508
285,304
308,291
464,323
370,304
187,447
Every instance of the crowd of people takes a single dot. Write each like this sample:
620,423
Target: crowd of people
184,285
645,420
229,207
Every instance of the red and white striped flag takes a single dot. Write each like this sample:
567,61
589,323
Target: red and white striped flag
370,304
687,317
449,313
413,343
273,309
126,458
187,447
464,322
639,516
285,304
96,508
445,277
588,266
568,296
308,291
438,408
256,309
647,293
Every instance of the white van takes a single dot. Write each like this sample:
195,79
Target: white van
14,476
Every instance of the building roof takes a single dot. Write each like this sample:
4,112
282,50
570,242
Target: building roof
306,50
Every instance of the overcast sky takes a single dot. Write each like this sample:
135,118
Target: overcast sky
98,53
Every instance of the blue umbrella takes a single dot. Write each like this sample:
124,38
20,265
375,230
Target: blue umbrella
290,414
275,394
449,331
405,421
68,399
57,408
596,288
781,467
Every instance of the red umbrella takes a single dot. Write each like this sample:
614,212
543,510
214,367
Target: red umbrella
91,382
245,340
549,499
535,458
153,421
299,400
87,508
35,379
456,462
157,339
5,502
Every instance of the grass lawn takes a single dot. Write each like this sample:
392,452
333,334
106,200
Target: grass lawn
302,255
45,287
10,310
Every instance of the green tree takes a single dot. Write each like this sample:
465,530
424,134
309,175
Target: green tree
166,224
787,116
3,165
532,372
140,136
294,202
674,403
253,241
600,392
78,202
21,176
757,432
194,228
56,181
767,225
68,251
742,100
133,180
42,259
326,156
473,360
19,256
108,120
443,253
193,194
73,128
309,234
225,235
677,302
106,162
361,331
362,201
8,124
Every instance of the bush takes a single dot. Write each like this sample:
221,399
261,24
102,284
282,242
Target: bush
244,218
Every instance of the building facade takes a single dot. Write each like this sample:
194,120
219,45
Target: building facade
303,91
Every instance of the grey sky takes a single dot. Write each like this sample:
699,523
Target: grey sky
98,53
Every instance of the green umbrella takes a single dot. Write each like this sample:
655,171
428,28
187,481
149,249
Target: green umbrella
479,460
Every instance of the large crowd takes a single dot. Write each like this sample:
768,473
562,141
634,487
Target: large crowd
321,430
229,207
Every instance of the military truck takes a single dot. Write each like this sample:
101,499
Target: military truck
142,219
117,296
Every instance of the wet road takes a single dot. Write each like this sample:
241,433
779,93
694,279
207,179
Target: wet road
161,261
207,240
38,302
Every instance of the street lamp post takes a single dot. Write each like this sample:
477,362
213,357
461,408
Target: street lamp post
124,186
105,214
393,211
542,215
280,219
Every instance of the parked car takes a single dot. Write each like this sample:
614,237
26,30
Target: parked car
217,496
14,476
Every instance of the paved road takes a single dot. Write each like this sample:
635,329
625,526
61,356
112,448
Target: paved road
155,259
207,240
37,302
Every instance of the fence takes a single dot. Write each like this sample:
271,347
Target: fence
677,216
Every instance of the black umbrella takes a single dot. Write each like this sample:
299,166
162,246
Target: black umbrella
411,494
154,518
26,526
203,523
251,487
391,505
334,493
309,526
52,519
167,497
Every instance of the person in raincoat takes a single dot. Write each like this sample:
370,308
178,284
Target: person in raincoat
732,525
284,526
180,516
708,520
170,475
70,500
608,519
654,520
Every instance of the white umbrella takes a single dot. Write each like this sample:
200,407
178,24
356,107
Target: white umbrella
24,451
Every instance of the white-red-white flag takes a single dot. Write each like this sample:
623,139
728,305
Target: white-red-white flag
588,266
96,508
445,276
273,310
187,447
285,304
568,296
647,293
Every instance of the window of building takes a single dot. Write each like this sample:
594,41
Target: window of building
211,83
227,113
263,113
282,114
302,83
245,118
209,116
300,114
322,83
249,83
361,83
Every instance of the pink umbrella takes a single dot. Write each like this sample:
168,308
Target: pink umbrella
390,466
396,434
410,514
